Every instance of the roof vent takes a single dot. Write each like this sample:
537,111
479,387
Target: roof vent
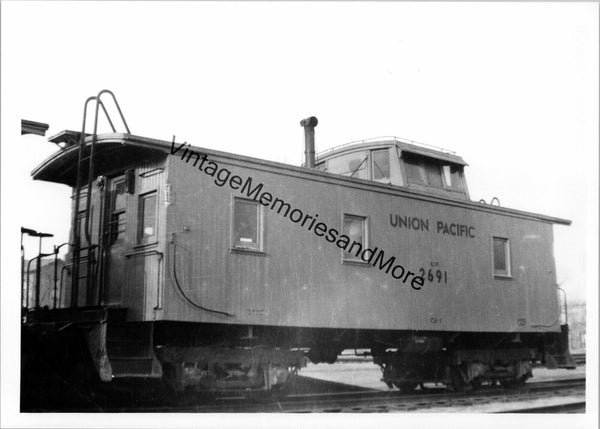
309,125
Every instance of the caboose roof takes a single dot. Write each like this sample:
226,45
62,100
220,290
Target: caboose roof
111,151
118,150
402,144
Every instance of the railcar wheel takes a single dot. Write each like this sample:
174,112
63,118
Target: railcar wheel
457,380
476,383
271,392
513,383
169,390
406,386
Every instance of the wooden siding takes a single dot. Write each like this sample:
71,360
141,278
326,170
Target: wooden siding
144,260
133,272
301,281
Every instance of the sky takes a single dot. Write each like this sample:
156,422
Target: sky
512,88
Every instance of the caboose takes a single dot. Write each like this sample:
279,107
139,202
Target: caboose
210,270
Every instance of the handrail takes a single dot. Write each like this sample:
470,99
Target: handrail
41,255
75,225
566,312
91,168
56,250
60,289
74,222
106,91
144,253
160,280
57,284
91,260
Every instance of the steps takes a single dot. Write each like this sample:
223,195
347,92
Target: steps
122,350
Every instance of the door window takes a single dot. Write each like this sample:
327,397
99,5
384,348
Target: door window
147,212
117,220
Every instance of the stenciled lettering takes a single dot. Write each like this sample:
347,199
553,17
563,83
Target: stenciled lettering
415,223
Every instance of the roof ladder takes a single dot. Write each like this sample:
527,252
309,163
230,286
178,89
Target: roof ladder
90,179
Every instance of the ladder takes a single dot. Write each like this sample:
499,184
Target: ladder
90,274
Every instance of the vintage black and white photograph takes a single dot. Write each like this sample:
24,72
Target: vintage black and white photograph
249,214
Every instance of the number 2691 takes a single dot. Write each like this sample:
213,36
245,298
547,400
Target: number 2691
433,275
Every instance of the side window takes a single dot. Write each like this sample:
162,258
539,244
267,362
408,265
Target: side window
116,226
423,170
147,212
352,164
501,257
412,166
434,174
246,224
355,227
380,164
452,176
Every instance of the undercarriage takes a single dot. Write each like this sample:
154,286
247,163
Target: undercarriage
184,357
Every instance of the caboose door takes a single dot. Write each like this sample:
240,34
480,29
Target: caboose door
115,241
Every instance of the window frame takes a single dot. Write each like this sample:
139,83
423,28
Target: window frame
365,245
441,165
365,161
113,213
372,165
234,246
83,243
422,181
439,169
502,274
141,238
452,186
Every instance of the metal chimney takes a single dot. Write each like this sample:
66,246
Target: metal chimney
309,125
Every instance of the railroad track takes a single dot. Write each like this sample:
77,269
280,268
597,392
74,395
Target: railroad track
578,357
340,398
368,401
566,408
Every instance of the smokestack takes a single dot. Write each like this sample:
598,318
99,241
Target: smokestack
309,125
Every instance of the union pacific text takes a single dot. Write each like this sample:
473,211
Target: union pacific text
454,229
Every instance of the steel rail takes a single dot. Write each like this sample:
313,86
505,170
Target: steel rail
578,357
125,399
568,407
367,400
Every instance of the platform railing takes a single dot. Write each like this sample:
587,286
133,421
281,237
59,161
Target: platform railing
56,286
36,295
